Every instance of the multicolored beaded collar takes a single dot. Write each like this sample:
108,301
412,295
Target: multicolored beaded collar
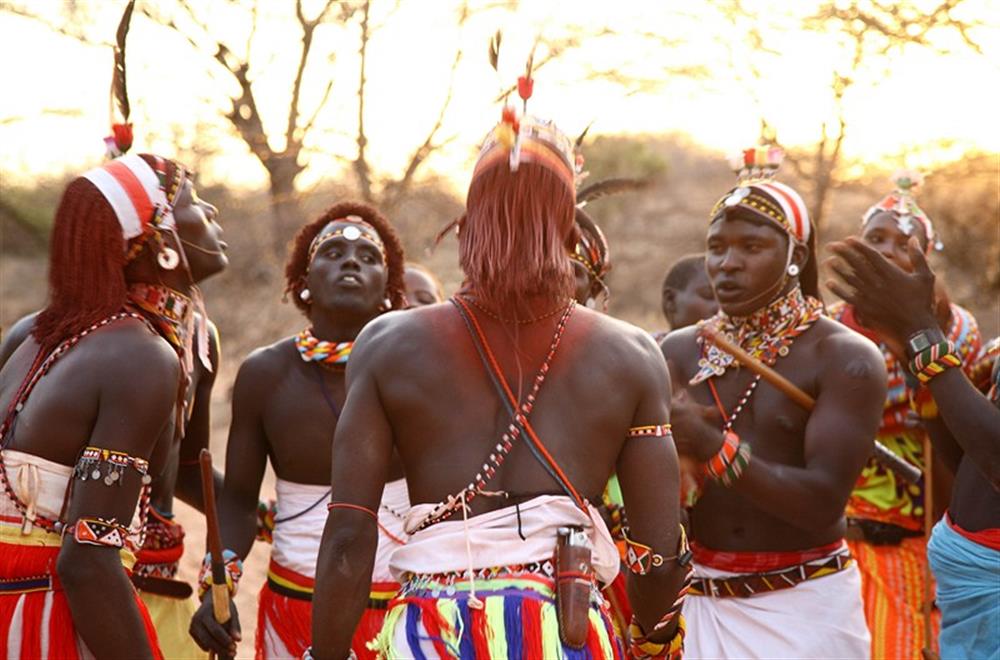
766,334
357,229
330,354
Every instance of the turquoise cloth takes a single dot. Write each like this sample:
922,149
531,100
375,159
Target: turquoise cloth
968,594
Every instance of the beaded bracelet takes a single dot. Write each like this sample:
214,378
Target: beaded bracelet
730,461
266,513
934,360
100,531
640,558
642,649
234,571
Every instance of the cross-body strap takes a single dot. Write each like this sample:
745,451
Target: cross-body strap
519,418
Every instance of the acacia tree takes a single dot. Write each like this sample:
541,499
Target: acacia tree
870,34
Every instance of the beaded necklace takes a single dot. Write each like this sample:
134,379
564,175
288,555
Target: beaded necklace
329,354
535,319
767,334
499,452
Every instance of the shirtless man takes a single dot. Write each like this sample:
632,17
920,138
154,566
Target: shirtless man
477,569
100,421
888,530
964,549
344,269
169,600
422,286
687,296
773,577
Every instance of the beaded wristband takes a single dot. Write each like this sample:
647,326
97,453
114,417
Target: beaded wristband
234,571
100,531
642,649
728,464
934,360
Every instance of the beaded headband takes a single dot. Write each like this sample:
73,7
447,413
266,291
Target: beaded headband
356,230
527,139
761,195
142,197
902,205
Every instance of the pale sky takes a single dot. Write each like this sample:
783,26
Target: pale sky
916,98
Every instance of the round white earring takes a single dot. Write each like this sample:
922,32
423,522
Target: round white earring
793,270
168,258
304,295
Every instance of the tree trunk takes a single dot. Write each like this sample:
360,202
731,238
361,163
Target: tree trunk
285,206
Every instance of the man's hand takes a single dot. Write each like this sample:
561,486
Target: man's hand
890,300
213,636
696,428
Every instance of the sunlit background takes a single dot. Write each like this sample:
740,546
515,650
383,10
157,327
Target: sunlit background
853,89
709,70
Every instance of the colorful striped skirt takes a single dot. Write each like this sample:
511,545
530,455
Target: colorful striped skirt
284,615
432,618
893,578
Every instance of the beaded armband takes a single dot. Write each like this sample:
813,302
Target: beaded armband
100,531
266,513
95,463
641,559
934,360
651,431
728,464
234,571
642,649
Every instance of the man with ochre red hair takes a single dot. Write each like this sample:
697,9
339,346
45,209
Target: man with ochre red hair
344,269
93,402
456,388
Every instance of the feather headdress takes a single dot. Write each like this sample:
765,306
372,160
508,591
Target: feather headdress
120,140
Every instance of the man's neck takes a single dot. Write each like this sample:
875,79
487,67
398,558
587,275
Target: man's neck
337,325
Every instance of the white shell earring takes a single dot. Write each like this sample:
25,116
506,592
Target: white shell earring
304,295
168,258
793,270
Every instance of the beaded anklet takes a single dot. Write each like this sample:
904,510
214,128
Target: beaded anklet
934,360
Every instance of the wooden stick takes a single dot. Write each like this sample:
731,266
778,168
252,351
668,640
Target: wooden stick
220,590
927,652
905,470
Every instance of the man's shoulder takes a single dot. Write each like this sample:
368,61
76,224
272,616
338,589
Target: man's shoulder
838,345
269,359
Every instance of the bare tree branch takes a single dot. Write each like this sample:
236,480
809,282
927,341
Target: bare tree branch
79,35
395,190
361,163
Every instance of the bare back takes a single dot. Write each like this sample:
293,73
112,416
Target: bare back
446,416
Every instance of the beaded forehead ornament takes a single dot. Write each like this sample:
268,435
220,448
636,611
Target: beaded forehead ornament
902,205
356,230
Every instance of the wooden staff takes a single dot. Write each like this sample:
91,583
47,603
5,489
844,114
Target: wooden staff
885,456
220,589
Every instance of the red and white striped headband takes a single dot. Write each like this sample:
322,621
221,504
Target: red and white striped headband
796,213
136,194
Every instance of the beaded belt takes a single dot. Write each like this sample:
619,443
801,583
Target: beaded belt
27,585
744,586
542,568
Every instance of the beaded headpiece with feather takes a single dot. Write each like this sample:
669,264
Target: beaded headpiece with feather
902,205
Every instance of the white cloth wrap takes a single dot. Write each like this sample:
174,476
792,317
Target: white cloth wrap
40,484
819,618
494,538
296,541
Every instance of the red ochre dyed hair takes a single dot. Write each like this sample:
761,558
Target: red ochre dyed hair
86,263
515,235
297,266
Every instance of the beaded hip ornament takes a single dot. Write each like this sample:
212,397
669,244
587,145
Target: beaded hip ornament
766,334
330,354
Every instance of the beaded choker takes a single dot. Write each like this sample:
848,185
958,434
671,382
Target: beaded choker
766,334
326,353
